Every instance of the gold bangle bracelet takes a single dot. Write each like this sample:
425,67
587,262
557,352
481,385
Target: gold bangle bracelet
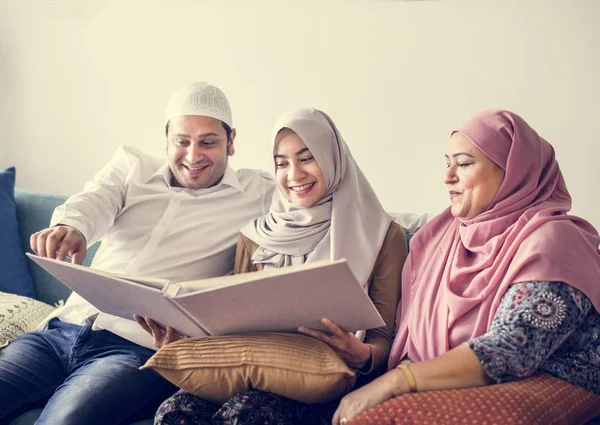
410,378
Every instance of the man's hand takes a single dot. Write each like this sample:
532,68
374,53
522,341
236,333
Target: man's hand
351,349
161,337
59,242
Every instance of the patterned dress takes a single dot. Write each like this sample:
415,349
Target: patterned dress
545,326
250,408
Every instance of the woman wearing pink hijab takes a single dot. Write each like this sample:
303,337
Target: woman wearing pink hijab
500,285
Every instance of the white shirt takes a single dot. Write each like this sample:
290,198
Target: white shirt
152,229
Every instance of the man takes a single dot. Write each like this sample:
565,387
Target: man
177,220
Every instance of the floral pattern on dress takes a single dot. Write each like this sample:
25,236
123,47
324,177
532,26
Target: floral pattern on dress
183,408
249,408
546,326
547,311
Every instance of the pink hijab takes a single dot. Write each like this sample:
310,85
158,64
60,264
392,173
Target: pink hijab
457,272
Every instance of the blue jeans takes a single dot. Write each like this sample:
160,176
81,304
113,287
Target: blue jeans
83,377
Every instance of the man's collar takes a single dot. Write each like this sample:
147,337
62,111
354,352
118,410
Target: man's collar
230,177
163,173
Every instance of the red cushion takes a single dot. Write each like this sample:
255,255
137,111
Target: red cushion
541,399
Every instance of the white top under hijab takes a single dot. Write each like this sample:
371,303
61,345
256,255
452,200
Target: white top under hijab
349,222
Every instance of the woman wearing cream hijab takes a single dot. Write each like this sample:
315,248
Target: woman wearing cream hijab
324,209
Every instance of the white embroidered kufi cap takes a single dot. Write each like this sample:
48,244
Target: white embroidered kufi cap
199,98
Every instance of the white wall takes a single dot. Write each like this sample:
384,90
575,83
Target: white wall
78,78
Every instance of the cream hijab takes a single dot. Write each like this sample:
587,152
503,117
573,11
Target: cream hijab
349,222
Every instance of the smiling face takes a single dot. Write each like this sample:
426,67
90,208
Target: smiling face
299,177
471,177
197,151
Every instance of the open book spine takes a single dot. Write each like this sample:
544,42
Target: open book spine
170,292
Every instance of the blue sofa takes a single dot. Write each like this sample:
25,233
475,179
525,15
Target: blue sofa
34,211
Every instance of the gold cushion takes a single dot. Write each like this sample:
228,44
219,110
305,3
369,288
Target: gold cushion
215,368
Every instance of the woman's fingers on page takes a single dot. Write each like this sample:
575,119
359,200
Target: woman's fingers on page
333,328
157,332
309,332
169,337
321,336
140,320
172,336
